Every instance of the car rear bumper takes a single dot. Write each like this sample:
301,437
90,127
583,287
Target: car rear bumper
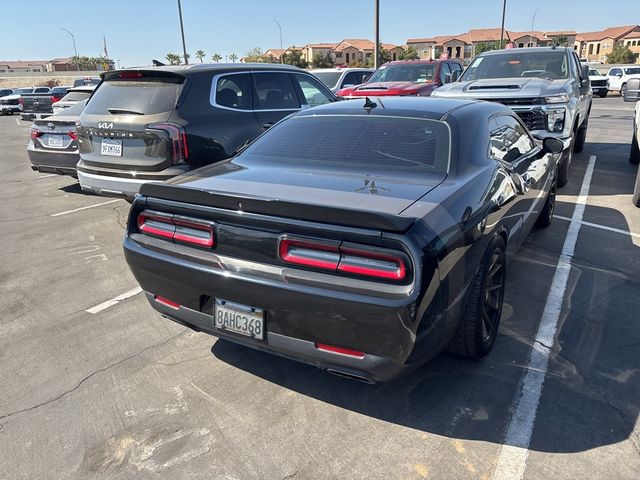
295,318
10,108
62,163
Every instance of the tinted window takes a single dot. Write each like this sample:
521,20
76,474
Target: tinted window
376,141
444,73
76,96
234,91
547,64
615,71
5,92
146,96
313,92
361,76
74,110
275,91
632,71
22,91
509,139
42,90
59,89
404,72
330,79
350,78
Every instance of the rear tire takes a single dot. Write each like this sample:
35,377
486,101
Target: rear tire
546,215
478,328
563,170
623,89
602,95
634,152
581,137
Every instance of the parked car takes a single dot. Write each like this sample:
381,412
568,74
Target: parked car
619,76
73,96
84,81
547,87
151,124
37,105
53,147
599,83
632,94
338,78
335,240
406,77
5,91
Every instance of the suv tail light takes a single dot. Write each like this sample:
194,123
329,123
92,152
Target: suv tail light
177,229
21,101
351,259
55,98
177,138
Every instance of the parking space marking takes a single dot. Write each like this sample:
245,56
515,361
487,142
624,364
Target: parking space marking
515,448
84,208
17,122
49,176
602,227
113,301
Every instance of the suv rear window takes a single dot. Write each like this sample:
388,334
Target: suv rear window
355,140
146,97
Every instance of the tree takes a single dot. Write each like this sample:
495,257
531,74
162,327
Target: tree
561,41
294,57
385,55
233,57
621,54
186,58
90,63
410,54
173,58
485,47
256,55
216,57
200,55
322,61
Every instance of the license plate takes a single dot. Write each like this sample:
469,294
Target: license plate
111,148
237,318
54,141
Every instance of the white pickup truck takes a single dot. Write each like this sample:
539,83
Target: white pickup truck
632,94
619,76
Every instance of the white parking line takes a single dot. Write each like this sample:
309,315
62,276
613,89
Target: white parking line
49,176
17,122
113,301
515,449
84,208
602,227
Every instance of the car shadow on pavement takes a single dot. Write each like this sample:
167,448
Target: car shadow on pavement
591,395
74,188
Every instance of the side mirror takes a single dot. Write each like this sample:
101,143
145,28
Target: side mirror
632,92
552,145
455,75
584,74
619,75
366,77
448,77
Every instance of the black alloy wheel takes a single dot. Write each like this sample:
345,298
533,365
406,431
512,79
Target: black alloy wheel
546,214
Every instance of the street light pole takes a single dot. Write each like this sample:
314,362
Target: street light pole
184,45
75,50
376,23
533,19
280,28
504,11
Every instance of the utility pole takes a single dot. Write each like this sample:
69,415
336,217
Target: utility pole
75,50
533,19
184,45
376,22
504,11
280,28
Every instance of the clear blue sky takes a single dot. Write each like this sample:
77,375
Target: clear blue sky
140,30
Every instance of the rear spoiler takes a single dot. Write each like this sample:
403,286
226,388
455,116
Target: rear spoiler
278,208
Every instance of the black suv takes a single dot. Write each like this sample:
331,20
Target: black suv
151,124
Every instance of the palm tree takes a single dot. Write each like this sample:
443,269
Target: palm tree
216,57
173,58
233,57
200,55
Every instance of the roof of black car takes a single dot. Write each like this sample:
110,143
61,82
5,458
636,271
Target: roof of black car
425,107
210,67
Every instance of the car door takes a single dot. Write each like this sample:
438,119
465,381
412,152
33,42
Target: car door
615,78
531,167
312,91
275,96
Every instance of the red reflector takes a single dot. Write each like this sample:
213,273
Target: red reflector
340,350
130,75
310,254
73,135
35,133
166,301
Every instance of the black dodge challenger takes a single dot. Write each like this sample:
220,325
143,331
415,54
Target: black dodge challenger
363,237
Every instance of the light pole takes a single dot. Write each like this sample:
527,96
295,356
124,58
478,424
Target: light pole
376,26
184,45
504,11
118,64
75,50
533,19
280,29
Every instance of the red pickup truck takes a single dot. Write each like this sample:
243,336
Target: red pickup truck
406,77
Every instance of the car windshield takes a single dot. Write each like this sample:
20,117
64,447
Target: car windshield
594,72
344,141
632,71
549,64
20,91
414,73
330,79
146,96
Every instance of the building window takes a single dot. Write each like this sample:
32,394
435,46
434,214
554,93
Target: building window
338,54
598,49
591,49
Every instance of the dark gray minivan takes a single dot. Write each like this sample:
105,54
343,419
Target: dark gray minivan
151,124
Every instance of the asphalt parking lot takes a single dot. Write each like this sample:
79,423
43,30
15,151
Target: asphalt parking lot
95,384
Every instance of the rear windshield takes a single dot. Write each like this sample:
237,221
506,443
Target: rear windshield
22,91
549,65
632,71
414,73
330,79
355,141
143,97
76,96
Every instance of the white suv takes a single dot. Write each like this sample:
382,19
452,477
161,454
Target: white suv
619,76
632,94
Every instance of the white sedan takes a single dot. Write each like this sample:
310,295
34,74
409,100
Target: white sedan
632,94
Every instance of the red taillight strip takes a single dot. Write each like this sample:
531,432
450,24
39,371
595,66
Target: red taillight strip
157,230
166,301
177,229
362,262
302,252
339,350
